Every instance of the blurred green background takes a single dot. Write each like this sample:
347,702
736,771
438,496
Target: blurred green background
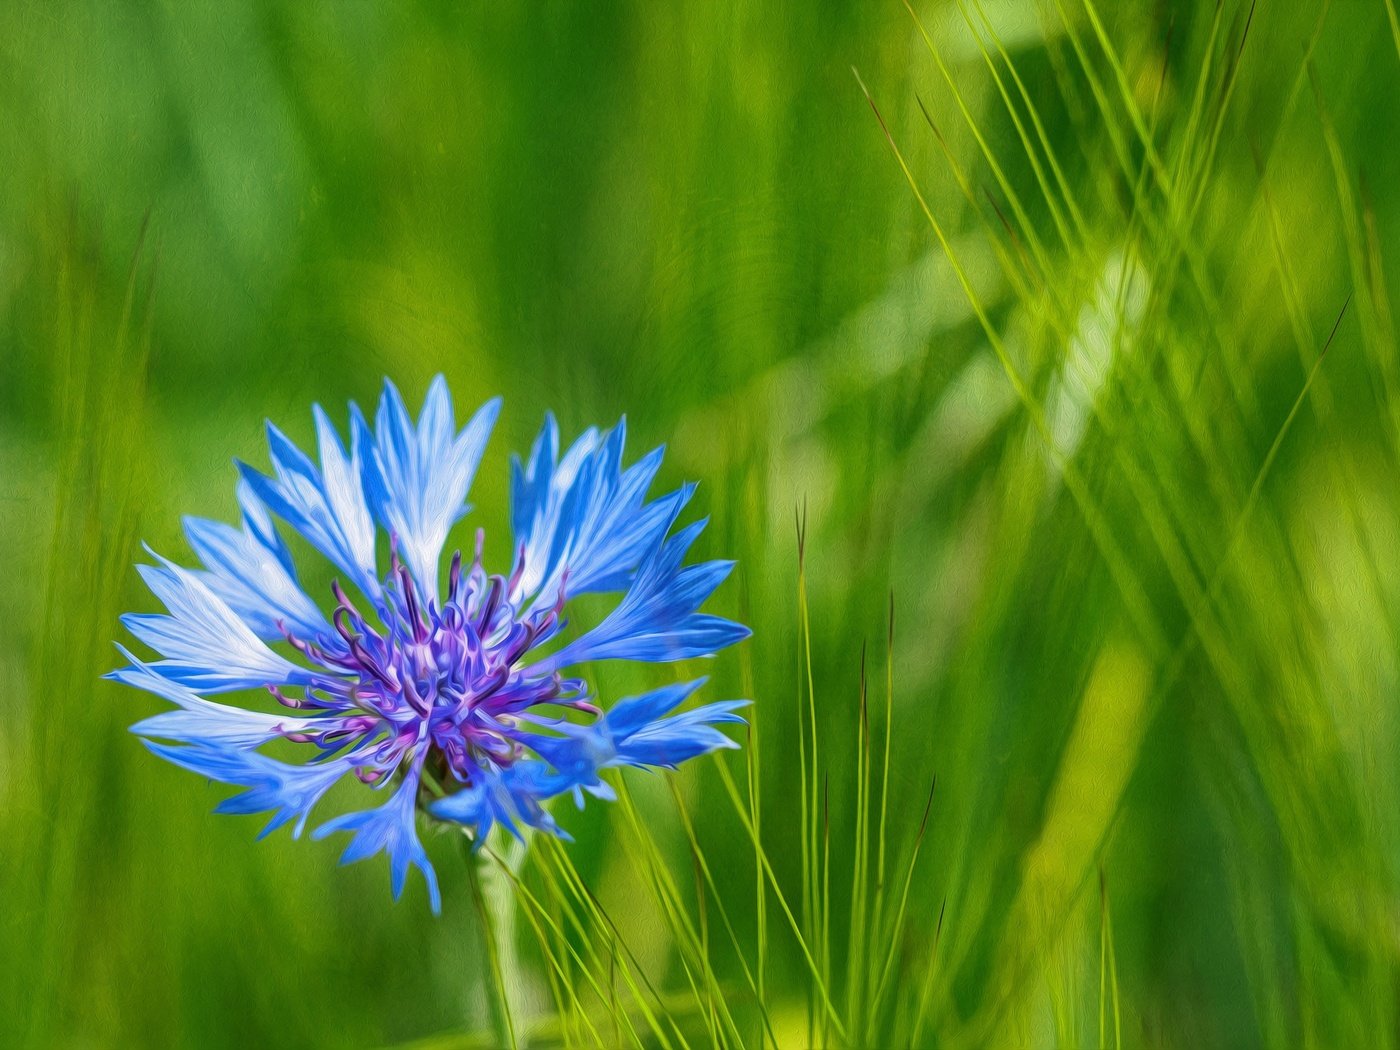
1142,535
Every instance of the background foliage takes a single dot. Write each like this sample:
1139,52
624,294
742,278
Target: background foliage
1056,375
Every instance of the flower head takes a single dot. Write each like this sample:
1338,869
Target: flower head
441,684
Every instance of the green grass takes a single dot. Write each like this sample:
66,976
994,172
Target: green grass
1041,374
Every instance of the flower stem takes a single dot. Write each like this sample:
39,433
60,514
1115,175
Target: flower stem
495,908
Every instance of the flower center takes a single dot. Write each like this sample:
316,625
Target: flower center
450,678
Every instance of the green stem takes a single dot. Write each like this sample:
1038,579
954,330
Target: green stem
495,908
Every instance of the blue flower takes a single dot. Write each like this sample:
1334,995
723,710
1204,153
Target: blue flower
442,685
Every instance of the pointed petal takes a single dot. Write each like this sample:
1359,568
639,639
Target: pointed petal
419,477
288,791
206,646
258,522
586,516
327,506
254,581
392,829
509,797
637,731
657,619
199,719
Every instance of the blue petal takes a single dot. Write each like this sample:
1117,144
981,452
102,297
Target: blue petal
586,516
199,719
390,828
254,581
510,797
670,741
207,647
657,619
258,522
633,714
637,732
286,790
327,506
418,478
